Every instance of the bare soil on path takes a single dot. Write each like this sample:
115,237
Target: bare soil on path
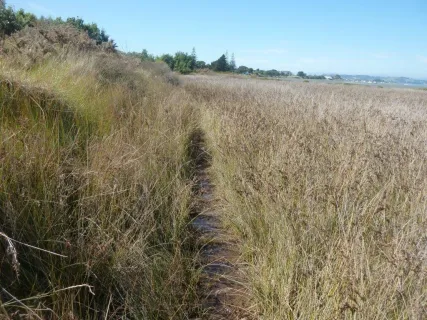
220,287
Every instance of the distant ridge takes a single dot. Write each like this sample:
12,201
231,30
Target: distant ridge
397,80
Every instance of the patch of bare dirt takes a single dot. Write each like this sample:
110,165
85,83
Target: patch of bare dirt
220,287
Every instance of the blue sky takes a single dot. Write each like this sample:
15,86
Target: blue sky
372,37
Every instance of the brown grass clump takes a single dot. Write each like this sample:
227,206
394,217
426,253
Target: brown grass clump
325,187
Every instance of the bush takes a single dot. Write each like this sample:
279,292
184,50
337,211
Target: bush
34,45
183,63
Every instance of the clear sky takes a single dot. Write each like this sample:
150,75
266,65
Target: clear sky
375,37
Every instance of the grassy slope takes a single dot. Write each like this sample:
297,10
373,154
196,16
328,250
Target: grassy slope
93,167
325,187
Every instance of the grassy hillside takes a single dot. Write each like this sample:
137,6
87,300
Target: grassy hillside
93,175
325,188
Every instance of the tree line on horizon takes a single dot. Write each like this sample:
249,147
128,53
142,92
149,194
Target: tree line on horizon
186,63
12,21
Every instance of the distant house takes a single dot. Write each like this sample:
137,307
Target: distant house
328,77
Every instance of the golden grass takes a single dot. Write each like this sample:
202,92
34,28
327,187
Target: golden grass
325,186
93,166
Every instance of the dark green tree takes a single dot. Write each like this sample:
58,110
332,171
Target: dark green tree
50,20
201,65
91,28
145,56
183,62
242,69
232,64
301,74
168,59
193,59
286,73
272,73
220,64
8,21
25,19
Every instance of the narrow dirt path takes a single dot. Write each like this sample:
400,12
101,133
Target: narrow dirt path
221,292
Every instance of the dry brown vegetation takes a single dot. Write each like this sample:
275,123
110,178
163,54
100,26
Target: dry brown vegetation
325,186
34,45
93,171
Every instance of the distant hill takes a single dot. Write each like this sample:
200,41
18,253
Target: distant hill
379,79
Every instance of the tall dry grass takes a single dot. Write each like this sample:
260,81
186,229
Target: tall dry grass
325,187
93,167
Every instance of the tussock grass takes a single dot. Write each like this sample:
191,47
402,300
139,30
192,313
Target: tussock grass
93,166
325,186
